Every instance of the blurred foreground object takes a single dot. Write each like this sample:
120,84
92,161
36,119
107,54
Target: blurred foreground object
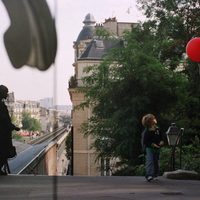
31,38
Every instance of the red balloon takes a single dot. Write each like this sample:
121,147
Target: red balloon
193,49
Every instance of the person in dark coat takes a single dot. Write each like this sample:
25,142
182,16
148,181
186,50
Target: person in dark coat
6,128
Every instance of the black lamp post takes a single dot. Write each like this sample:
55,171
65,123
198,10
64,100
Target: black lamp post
172,134
173,137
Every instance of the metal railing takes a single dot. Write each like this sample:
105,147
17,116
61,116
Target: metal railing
36,165
48,136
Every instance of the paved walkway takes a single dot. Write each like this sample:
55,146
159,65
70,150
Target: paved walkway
95,188
20,146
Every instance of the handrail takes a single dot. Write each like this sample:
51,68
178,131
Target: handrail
55,140
46,136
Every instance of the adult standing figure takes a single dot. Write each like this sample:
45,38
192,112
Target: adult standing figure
6,128
152,141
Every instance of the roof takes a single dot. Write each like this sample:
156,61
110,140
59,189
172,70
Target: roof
88,29
86,33
98,48
89,19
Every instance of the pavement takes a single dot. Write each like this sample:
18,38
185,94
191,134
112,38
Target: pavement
20,146
18,187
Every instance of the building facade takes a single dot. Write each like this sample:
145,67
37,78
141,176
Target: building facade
89,50
46,117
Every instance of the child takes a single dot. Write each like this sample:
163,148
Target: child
151,143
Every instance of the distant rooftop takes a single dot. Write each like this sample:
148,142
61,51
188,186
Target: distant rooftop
88,29
89,20
98,48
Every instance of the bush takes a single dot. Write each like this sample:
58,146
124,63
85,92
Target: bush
16,136
191,156
190,160
165,154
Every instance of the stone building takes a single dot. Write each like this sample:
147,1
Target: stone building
89,50
28,106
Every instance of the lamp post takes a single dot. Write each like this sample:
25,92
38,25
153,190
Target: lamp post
173,137
181,134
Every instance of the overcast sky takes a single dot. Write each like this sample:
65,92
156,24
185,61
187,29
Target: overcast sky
31,84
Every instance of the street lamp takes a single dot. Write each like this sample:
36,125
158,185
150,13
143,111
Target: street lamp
174,135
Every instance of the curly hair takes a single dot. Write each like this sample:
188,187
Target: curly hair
148,120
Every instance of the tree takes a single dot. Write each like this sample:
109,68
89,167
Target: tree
175,22
29,123
130,82
66,120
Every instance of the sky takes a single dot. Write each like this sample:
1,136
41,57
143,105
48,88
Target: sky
29,83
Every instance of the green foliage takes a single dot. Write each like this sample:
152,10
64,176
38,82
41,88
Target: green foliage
16,136
190,159
140,170
164,161
14,120
148,74
125,171
102,33
129,83
191,156
29,123
174,23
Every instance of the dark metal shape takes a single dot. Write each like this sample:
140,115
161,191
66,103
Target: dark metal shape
172,134
31,38
174,137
